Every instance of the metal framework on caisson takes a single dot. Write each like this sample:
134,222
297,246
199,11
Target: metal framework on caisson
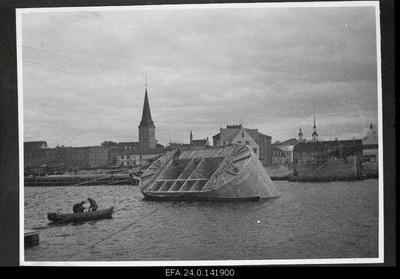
230,172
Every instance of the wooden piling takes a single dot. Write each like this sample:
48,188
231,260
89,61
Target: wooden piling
31,238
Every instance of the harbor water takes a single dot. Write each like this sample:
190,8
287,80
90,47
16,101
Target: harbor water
335,220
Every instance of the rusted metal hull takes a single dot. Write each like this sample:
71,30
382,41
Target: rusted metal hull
231,173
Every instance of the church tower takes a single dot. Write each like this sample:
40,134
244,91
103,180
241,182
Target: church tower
147,130
315,134
300,136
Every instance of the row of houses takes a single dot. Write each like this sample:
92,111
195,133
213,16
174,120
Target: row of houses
108,154
129,154
329,158
292,150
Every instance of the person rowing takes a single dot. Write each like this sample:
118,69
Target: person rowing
93,205
78,207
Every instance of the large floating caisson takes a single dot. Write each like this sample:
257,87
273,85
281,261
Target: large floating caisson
220,173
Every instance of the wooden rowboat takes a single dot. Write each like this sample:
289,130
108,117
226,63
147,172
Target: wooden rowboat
80,217
219,173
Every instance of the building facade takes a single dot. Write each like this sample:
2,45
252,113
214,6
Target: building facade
35,153
370,145
62,158
328,158
259,143
278,156
287,146
77,157
137,158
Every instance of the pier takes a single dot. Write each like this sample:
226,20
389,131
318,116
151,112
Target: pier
79,180
325,178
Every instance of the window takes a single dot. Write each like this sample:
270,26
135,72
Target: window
127,157
247,142
255,150
239,142
242,134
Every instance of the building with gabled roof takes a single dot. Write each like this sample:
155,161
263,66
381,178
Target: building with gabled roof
259,142
370,145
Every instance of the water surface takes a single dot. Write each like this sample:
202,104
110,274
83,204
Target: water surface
308,221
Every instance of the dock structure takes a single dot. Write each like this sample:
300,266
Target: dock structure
31,238
80,181
311,178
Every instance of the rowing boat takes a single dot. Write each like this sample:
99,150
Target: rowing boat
77,217
219,173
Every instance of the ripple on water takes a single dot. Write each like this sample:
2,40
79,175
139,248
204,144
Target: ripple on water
309,220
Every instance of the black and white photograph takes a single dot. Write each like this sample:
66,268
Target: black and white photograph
200,135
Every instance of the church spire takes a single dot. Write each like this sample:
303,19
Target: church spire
146,114
315,134
315,127
147,130
300,136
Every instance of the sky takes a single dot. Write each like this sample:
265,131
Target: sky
272,68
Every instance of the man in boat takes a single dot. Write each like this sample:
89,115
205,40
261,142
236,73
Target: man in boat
79,208
93,205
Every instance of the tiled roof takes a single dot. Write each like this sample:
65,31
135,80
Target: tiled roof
229,134
263,135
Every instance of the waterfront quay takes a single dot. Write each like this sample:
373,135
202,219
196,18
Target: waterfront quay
122,179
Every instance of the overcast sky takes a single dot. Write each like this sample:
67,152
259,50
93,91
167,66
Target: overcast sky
273,69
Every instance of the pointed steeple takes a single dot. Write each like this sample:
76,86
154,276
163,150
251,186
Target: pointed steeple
300,136
147,130
146,114
315,134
